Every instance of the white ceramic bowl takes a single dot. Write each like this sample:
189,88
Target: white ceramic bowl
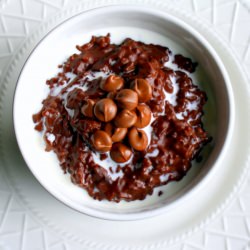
150,26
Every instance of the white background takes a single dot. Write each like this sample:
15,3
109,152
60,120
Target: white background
21,228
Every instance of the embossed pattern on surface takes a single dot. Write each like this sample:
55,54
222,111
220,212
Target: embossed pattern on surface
19,227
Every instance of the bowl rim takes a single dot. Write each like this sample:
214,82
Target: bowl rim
228,136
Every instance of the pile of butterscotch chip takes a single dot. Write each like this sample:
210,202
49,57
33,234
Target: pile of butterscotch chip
124,113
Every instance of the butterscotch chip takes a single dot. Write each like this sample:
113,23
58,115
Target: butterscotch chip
143,89
112,83
105,110
116,134
87,108
101,141
137,139
125,119
120,153
127,99
143,116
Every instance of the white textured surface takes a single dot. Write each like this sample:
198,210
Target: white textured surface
22,229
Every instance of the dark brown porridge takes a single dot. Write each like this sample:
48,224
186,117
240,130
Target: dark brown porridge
123,119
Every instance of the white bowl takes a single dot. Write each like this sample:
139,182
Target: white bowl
146,25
